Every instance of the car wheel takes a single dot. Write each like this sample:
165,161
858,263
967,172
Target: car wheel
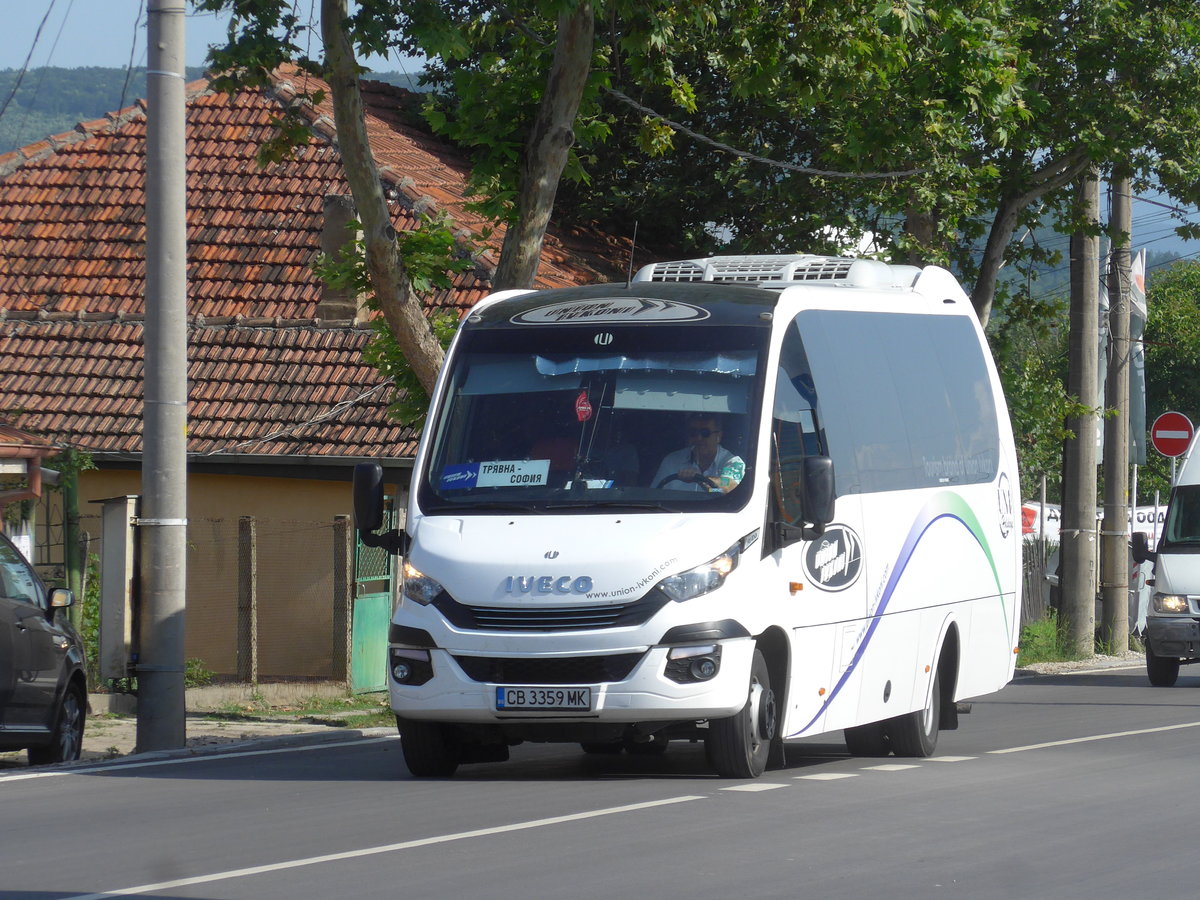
1163,671
66,742
430,748
738,746
916,733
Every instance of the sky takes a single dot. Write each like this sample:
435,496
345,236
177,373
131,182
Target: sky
104,32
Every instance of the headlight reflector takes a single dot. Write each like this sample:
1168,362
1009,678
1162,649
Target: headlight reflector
702,579
418,586
1171,603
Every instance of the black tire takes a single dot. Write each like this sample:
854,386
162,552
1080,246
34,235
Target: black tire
430,748
915,734
603,748
1163,671
738,746
66,742
867,740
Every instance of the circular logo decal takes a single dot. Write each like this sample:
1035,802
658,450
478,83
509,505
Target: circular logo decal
834,560
612,309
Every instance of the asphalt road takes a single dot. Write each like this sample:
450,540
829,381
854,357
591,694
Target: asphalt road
1077,785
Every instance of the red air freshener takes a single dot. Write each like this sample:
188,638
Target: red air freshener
583,407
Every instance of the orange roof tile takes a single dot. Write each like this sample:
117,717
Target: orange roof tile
72,272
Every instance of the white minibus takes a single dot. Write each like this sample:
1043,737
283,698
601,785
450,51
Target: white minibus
1172,631
736,500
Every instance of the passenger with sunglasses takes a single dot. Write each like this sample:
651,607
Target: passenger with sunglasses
703,465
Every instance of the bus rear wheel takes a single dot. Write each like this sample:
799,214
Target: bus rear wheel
738,746
916,733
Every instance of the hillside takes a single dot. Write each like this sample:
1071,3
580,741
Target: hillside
52,100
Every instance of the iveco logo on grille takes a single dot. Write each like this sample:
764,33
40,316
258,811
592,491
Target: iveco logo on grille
547,584
834,560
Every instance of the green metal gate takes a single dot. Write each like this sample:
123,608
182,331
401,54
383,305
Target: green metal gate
374,574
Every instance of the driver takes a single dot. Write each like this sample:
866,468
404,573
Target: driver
703,465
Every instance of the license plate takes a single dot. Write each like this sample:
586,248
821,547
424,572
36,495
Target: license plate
570,698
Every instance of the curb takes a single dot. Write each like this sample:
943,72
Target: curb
260,744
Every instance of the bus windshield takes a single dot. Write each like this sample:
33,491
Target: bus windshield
659,418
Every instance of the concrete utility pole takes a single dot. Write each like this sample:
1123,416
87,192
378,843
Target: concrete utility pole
1078,532
1114,542
163,523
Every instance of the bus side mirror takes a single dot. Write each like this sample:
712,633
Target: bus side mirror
819,496
1141,548
806,499
368,510
368,496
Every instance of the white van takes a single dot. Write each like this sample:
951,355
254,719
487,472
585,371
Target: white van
737,500
1172,631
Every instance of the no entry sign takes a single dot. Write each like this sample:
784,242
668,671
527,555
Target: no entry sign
1171,434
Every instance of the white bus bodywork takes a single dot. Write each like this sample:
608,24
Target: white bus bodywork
578,602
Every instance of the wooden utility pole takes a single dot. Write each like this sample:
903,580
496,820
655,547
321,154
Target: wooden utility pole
1078,533
1114,542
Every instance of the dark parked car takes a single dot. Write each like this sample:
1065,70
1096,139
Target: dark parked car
43,689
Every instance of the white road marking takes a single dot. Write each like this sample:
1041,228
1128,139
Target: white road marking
827,776
891,767
755,787
375,851
1097,737
114,766
950,758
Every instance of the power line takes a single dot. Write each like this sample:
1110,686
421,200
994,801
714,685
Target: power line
743,154
132,49
37,88
336,410
28,57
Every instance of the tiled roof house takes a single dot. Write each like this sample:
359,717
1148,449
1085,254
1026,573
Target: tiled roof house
265,356
280,400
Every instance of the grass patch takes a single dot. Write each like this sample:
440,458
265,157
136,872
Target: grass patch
356,711
1041,641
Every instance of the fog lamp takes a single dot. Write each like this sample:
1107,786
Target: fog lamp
410,666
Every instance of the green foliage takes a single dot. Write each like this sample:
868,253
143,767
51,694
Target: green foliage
89,629
411,402
1043,641
1172,342
196,673
432,254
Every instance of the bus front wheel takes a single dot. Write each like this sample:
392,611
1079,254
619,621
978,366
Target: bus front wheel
738,746
430,748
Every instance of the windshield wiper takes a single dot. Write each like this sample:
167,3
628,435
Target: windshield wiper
498,505
610,504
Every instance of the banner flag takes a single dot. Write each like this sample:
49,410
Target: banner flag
1137,360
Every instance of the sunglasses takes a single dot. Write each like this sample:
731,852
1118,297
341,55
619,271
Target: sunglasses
702,432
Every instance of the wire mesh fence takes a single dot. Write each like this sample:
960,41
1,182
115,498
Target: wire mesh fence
267,599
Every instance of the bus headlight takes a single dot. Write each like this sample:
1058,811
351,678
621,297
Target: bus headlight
418,586
1170,603
702,579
